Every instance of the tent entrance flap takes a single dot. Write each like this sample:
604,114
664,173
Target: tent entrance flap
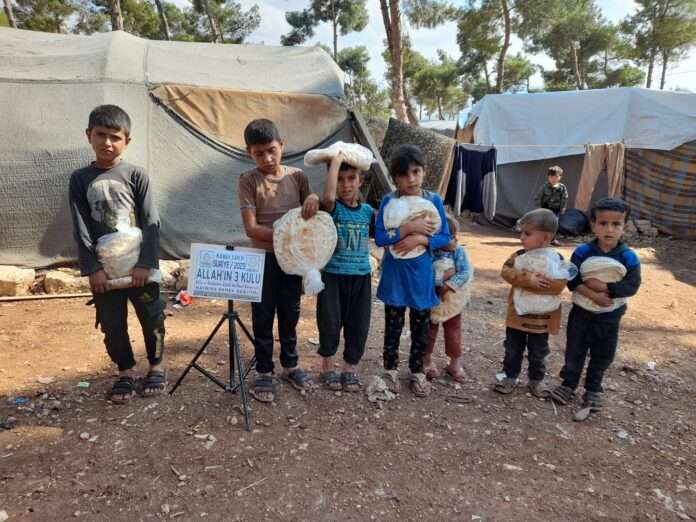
302,119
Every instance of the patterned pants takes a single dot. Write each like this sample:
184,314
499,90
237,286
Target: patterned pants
393,325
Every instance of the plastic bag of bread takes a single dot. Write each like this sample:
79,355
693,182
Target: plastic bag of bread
607,270
547,263
401,210
118,252
453,302
353,153
304,246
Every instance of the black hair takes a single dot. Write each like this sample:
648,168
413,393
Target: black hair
554,171
541,219
111,117
612,205
261,132
402,159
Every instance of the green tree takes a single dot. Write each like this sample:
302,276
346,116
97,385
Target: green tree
363,93
421,13
51,16
345,16
437,85
518,71
660,30
221,21
584,47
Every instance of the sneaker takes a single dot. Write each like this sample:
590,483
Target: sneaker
539,389
593,400
391,377
562,395
506,385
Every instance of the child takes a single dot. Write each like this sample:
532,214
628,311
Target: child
408,282
453,280
107,193
265,194
597,333
537,229
346,299
554,194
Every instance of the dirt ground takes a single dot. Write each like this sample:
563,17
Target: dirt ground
333,456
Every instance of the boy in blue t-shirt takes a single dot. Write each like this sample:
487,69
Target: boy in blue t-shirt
597,332
346,299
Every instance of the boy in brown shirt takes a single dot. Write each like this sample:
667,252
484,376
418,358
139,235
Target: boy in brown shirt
265,194
538,228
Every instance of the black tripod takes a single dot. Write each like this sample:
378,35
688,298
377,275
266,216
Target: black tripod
232,317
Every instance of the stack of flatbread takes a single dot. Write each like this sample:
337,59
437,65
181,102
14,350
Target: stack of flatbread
118,253
547,263
353,153
406,208
304,246
607,270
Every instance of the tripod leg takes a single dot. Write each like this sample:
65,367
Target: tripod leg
200,352
241,385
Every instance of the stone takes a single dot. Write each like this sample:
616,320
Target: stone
15,281
182,275
61,282
169,271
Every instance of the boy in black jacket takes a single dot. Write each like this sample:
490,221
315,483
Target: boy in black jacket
104,196
591,331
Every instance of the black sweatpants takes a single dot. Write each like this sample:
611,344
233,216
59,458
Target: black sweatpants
586,334
346,303
281,294
537,345
112,315
394,318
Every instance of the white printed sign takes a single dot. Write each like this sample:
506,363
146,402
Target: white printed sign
219,273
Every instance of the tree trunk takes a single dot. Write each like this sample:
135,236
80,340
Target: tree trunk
439,109
163,19
488,76
500,76
335,29
391,15
651,68
214,29
410,111
116,16
576,67
665,61
7,5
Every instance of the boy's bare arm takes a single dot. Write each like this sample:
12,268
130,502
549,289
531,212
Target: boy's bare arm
329,199
253,229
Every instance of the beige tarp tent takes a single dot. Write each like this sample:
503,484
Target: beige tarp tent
189,103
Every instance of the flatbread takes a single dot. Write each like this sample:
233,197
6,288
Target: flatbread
607,270
454,302
405,208
304,246
353,153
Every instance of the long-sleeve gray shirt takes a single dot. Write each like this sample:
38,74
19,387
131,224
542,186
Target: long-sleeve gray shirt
100,199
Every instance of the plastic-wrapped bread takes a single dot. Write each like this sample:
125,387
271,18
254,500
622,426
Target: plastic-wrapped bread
607,270
406,208
547,263
453,302
353,153
304,246
118,252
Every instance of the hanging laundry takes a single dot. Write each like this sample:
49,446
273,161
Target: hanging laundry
472,184
609,156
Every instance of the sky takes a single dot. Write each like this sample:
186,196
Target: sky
427,42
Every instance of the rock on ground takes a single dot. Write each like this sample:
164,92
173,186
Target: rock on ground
15,281
65,281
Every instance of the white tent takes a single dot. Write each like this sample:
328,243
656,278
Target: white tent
532,132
